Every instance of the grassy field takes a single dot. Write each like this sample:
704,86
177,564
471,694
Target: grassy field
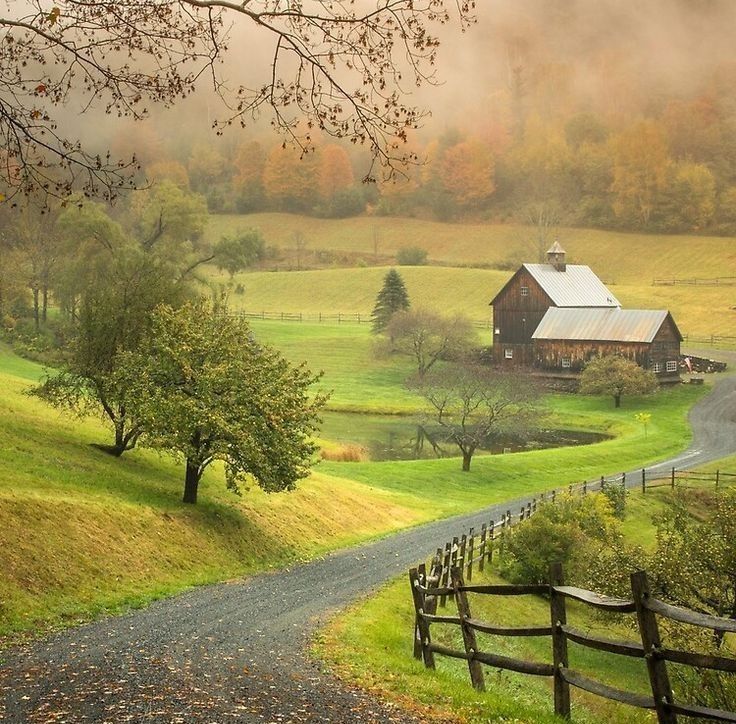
621,258
372,644
699,311
82,532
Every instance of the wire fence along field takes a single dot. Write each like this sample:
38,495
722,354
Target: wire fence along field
449,577
339,317
712,340
695,282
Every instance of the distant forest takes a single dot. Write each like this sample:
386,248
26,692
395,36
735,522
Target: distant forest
563,114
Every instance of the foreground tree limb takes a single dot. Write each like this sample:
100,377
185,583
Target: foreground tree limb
335,66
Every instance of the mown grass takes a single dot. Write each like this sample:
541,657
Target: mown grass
699,311
82,532
371,644
621,258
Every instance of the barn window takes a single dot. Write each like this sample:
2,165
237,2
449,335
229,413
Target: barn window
525,291
566,362
671,365
508,353
657,367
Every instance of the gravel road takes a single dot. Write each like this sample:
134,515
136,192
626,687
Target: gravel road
236,652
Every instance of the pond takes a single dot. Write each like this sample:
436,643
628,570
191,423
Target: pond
399,437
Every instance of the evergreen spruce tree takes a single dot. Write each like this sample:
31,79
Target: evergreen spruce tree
391,299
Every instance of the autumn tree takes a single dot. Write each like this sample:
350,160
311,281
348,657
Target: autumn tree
392,298
335,66
616,376
473,404
427,337
206,390
247,181
290,179
640,171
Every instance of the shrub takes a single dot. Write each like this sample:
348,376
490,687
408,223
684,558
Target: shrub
567,531
411,256
616,495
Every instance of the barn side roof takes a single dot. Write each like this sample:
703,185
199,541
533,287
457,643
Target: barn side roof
605,325
577,286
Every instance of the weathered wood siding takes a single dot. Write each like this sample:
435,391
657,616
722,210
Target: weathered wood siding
549,354
516,316
665,345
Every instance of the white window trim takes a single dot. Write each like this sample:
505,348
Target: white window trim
657,367
566,362
671,365
525,291
508,353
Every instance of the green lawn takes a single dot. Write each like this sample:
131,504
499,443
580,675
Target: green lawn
699,311
371,644
618,257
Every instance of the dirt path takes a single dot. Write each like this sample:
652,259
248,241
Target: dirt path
235,652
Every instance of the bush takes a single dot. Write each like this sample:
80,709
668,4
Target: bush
411,256
567,531
616,495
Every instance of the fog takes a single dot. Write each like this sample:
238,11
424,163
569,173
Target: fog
553,58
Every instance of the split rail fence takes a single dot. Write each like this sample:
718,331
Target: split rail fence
450,575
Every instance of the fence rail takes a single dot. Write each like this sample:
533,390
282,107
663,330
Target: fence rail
339,317
713,340
449,577
427,588
696,282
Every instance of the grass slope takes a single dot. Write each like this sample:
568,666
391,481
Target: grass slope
82,532
371,644
618,257
699,311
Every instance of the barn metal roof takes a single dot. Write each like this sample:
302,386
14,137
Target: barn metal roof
605,325
577,286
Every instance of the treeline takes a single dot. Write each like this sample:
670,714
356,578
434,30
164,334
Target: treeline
671,171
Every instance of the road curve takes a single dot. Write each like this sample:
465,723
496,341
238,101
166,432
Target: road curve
235,652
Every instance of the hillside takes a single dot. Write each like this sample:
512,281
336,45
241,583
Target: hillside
700,311
618,257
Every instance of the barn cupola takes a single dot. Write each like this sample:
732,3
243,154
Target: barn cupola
556,257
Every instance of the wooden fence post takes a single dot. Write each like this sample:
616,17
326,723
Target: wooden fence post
453,557
643,480
421,626
718,475
554,495
489,541
471,554
471,645
483,546
585,487
673,478
603,484
462,556
623,479
656,666
558,618
445,573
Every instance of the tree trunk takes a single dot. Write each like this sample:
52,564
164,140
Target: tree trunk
467,456
36,316
191,482
44,304
617,399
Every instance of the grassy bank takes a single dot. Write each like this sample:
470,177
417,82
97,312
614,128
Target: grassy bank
371,644
82,532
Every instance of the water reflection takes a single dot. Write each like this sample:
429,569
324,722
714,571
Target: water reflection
391,437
